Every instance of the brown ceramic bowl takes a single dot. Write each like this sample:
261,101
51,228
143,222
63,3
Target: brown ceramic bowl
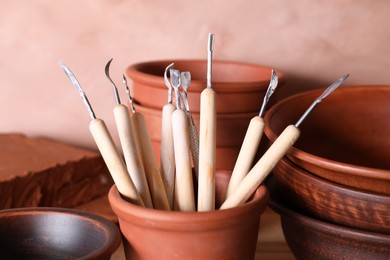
332,202
56,233
309,238
346,138
240,87
231,129
217,234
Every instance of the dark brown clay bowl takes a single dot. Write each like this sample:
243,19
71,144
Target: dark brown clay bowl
240,87
309,238
56,233
332,202
231,129
346,138
217,234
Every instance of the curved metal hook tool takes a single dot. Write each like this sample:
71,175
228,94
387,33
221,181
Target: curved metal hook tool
107,71
167,83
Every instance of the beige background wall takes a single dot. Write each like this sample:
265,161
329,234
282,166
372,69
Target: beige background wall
313,42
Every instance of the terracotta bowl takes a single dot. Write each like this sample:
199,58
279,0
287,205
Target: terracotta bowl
231,129
309,238
332,202
240,87
346,138
56,233
217,234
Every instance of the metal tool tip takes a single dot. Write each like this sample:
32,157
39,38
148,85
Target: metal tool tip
210,46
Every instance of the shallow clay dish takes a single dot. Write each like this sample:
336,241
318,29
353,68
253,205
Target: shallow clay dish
240,87
332,202
309,238
217,234
56,233
231,129
346,138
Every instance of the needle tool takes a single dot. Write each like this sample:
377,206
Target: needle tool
207,139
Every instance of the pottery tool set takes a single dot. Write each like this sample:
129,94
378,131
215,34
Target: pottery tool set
187,160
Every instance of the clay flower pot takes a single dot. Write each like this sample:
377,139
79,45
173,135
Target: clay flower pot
56,233
309,238
240,87
345,140
217,234
231,129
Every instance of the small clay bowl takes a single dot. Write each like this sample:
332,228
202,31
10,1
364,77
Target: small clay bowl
56,233
240,87
332,202
231,129
216,234
309,238
346,138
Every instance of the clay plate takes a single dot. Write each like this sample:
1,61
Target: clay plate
332,202
55,233
346,139
309,238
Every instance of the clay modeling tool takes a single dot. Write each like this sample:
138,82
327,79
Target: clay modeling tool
272,156
251,141
130,149
107,148
207,140
184,188
194,138
167,155
152,171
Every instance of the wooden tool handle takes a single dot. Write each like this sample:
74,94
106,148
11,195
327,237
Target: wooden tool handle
184,188
131,153
114,162
247,153
167,155
152,171
262,168
207,149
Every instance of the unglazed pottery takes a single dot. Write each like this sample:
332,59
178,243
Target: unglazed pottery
231,129
240,87
309,238
330,201
346,138
217,234
56,233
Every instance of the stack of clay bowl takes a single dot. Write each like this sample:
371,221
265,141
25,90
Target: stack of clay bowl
334,183
240,89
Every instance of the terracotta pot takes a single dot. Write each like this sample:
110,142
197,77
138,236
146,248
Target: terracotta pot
346,139
309,238
240,87
332,202
231,129
217,234
56,233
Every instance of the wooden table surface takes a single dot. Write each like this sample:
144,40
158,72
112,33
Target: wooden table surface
270,245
